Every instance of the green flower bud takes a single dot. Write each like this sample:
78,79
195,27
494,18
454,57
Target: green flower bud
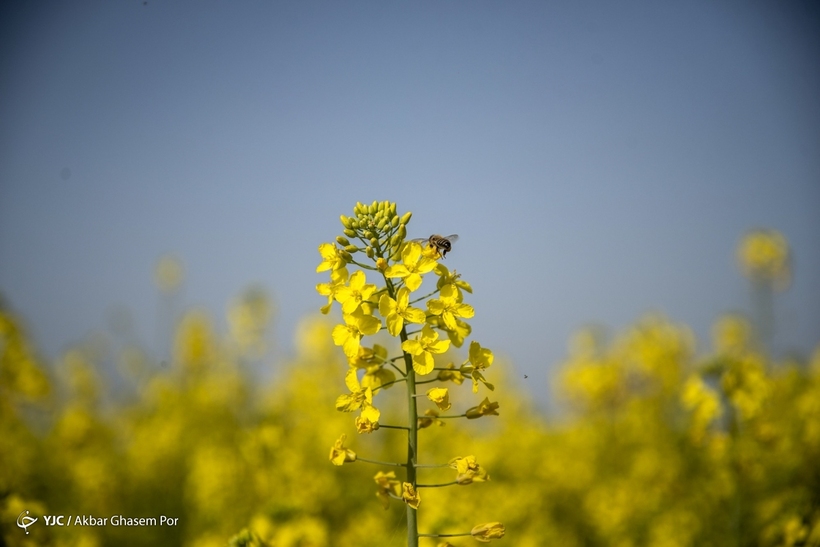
368,234
351,248
394,221
345,221
374,242
406,217
342,241
402,231
393,209
354,223
380,224
346,256
369,251
349,232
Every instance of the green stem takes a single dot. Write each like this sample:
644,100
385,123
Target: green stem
444,535
440,485
385,426
413,431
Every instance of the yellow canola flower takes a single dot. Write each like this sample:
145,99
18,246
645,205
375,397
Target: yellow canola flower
364,425
396,312
430,417
351,296
447,278
339,454
448,307
479,359
764,256
359,398
413,267
485,532
349,335
451,374
372,360
469,470
332,258
389,487
410,496
338,279
422,349
440,396
457,335
484,408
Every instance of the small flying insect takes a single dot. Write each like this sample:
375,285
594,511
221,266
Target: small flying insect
441,244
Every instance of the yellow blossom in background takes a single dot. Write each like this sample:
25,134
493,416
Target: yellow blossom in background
413,266
731,333
764,256
169,274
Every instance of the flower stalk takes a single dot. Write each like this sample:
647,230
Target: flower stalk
368,309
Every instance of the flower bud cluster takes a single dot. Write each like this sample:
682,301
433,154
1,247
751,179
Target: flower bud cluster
378,227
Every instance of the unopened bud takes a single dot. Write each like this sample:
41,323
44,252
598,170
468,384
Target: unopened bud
405,218
341,240
349,232
346,256
345,221
351,248
394,221
369,251
402,231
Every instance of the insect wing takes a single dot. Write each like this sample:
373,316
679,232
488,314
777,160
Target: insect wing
420,240
453,238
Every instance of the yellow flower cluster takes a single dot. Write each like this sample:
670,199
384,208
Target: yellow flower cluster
368,308
764,256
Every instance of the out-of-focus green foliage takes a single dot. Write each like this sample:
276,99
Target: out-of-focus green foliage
657,446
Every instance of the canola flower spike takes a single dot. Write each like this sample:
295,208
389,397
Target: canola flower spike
373,240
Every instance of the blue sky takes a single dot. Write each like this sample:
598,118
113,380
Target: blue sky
599,160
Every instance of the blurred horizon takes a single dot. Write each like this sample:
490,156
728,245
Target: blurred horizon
598,162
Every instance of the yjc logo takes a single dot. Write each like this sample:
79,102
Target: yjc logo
24,521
